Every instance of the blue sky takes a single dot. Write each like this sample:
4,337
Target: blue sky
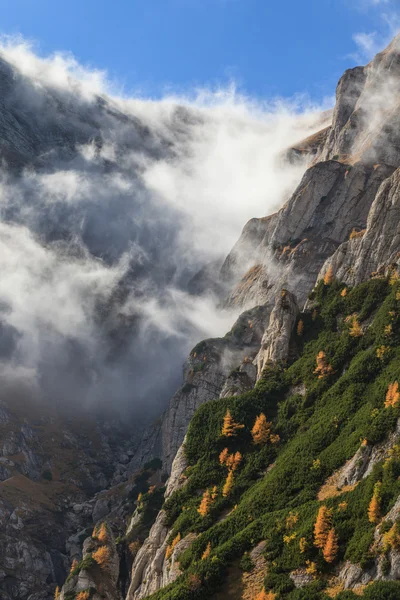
269,47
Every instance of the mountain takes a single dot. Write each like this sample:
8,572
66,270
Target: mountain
274,470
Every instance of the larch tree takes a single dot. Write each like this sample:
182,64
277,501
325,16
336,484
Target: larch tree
323,368
102,556
322,527
205,504
206,552
300,328
328,277
223,457
230,428
331,547
57,593
392,394
374,508
355,328
261,430
102,535
74,565
343,293
228,485
84,595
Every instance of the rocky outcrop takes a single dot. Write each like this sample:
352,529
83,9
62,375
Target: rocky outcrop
379,247
276,339
209,366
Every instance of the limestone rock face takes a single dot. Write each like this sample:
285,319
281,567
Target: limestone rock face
151,570
331,201
355,260
276,339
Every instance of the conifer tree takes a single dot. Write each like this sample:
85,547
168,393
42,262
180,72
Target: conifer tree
343,293
328,278
74,565
102,535
230,427
57,593
374,508
84,595
323,368
355,328
392,395
170,548
261,430
205,504
331,547
300,328
322,526
223,456
206,552
102,556
228,485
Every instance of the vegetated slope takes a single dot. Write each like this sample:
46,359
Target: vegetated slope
323,411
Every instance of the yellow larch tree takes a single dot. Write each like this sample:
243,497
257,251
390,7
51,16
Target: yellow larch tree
102,535
328,277
172,545
223,456
303,545
233,461
374,508
261,430
300,328
57,593
343,293
206,552
230,428
228,485
323,368
331,547
263,595
102,556
322,526
205,504
355,327
74,565
392,394
391,539
84,595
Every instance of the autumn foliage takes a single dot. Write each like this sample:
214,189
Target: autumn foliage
74,565
392,395
323,368
102,534
374,508
261,430
57,593
300,328
206,552
85,595
322,527
230,428
228,485
206,502
263,595
102,556
328,278
331,547
170,548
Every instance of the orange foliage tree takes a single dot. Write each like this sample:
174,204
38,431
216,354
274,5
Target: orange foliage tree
261,430
206,552
172,545
300,328
102,534
205,504
228,485
57,593
328,278
331,547
223,456
322,526
374,508
102,556
74,565
392,395
230,428
323,368
233,461
85,595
